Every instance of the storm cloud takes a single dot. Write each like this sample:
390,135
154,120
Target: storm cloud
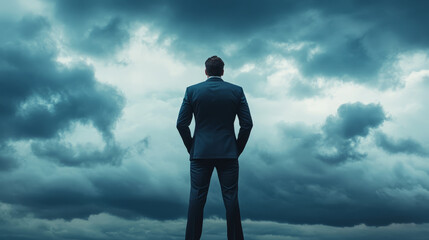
90,92
320,177
40,98
363,37
407,145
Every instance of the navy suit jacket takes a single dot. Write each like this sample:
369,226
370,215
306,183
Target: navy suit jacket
214,103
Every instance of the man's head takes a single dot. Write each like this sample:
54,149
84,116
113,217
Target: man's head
214,66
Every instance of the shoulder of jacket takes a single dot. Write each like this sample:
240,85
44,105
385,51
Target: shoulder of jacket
201,84
235,86
193,86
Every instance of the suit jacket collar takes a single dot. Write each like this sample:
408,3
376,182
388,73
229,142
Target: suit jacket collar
214,78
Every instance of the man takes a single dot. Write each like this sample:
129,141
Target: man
215,104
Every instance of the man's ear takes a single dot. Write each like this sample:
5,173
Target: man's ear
222,73
205,71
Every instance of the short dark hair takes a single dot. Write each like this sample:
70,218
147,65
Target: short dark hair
214,66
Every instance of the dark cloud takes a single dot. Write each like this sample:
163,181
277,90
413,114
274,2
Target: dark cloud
342,131
294,186
41,105
40,98
107,227
7,159
114,191
189,21
320,176
309,181
316,178
32,26
67,155
101,28
24,31
349,58
68,193
407,146
103,40
354,120
355,39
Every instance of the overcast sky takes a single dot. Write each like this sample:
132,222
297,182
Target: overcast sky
90,92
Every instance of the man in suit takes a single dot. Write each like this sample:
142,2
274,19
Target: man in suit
215,104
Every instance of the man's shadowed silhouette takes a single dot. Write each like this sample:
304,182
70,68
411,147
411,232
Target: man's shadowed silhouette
215,104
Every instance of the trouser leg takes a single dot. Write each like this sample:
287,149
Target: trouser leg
227,170
201,172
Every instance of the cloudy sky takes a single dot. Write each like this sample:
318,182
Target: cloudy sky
90,92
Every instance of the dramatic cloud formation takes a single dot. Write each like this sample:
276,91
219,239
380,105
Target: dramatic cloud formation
90,92
353,40
40,99
401,146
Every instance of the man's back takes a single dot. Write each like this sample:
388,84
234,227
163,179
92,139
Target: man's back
215,104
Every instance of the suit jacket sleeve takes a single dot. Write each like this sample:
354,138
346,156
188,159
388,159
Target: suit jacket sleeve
245,121
183,121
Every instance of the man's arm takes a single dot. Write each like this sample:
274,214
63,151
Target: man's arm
183,121
245,121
